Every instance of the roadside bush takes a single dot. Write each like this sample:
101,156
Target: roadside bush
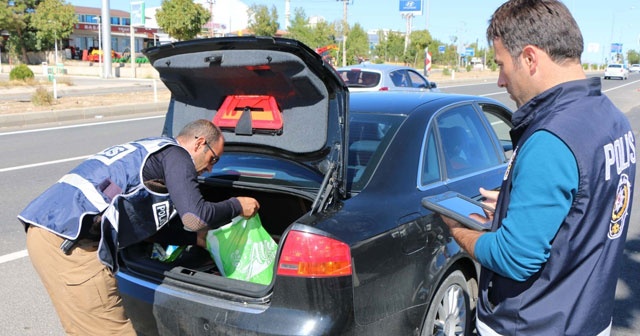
21,72
42,97
446,72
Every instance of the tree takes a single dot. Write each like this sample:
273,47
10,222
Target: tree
315,36
357,45
324,33
633,57
393,47
53,21
261,22
420,39
182,19
15,17
300,29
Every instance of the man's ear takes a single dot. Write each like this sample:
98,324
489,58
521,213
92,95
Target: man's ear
198,143
530,57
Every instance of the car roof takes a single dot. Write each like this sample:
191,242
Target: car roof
374,66
405,102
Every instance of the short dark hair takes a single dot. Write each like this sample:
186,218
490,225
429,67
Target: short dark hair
201,128
546,24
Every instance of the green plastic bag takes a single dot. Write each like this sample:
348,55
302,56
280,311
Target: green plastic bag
243,250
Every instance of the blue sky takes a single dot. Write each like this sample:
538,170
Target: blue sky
601,22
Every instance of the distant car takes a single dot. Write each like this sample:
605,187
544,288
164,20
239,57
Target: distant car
340,179
634,68
616,71
384,77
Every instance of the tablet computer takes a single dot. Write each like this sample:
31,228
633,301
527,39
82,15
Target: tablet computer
458,207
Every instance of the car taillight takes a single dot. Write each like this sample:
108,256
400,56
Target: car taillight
310,255
384,88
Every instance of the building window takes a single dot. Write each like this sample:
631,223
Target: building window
88,18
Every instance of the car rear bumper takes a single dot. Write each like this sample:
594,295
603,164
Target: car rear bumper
295,308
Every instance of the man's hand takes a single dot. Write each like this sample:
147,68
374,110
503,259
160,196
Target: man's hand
465,237
202,238
249,206
490,197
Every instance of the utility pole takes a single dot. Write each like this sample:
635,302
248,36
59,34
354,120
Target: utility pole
287,14
409,18
345,28
97,18
211,3
427,13
106,37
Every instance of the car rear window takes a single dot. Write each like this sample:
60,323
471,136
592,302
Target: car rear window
369,137
615,66
359,78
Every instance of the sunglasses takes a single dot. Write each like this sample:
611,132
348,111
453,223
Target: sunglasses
215,157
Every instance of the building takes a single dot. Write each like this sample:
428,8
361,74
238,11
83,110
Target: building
86,33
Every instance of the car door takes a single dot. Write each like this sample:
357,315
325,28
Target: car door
471,154
417,81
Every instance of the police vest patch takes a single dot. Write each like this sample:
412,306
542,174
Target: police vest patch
620,207
161,213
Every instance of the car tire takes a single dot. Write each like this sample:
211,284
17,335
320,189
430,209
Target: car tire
450,310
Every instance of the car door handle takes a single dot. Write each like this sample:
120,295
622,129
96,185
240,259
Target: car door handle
399,233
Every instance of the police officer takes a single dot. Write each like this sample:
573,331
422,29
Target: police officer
551,262
116,198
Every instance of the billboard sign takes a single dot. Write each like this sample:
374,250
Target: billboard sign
137,13
413,7
616,48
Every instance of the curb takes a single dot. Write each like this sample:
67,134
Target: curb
42,117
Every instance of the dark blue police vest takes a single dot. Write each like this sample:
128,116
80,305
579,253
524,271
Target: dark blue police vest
573,292
109,182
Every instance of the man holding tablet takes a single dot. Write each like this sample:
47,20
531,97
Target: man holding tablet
551,260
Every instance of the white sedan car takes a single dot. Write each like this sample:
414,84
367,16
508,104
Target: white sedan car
384,77
634,68
616,71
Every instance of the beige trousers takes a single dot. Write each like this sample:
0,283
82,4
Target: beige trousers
83,290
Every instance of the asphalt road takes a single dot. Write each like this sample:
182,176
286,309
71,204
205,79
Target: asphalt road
33,159
83,86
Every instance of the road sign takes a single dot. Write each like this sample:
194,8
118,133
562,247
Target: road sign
469,52
413,7
441,49
137,14
427,63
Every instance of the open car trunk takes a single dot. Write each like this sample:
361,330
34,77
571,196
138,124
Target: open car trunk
195,266
276,101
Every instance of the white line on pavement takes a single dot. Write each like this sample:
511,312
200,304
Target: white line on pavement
13,256
79,125
3,170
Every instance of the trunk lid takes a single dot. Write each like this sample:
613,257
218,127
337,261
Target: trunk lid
270,96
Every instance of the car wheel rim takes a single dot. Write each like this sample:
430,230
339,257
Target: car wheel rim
451,314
